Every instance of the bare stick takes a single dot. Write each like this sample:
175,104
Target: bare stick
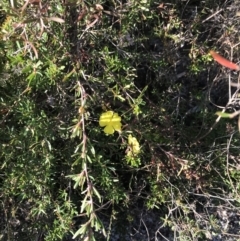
212,15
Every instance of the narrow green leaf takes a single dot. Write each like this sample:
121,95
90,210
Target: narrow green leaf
223,114
97,193
84,204
227,115
82,230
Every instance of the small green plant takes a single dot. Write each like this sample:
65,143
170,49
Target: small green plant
102,111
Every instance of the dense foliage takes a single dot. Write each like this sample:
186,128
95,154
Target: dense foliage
107,120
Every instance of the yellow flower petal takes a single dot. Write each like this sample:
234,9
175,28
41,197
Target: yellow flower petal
132,141
105,118
111,121
108,129
117,126
116,118
136,148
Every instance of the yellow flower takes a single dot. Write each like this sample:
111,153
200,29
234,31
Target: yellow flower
111,121
134,144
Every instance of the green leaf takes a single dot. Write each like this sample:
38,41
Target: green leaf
223,114
82,231
97,194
